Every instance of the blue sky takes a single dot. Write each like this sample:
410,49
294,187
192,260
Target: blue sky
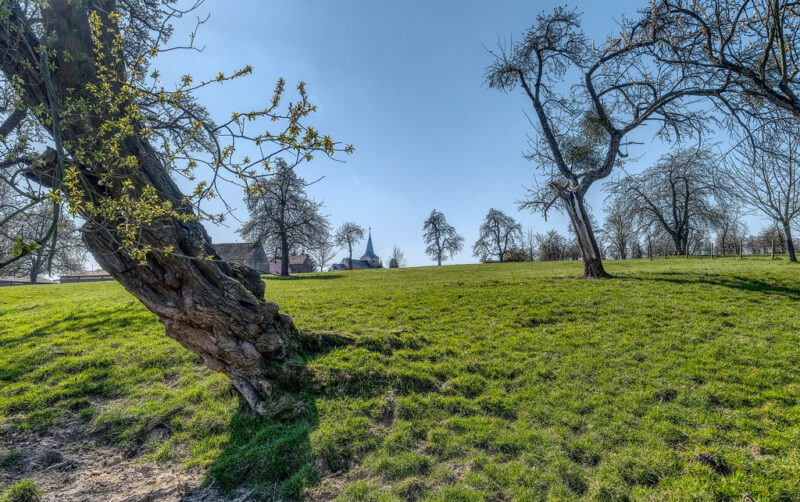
402,82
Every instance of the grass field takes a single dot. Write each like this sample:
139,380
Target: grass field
675,380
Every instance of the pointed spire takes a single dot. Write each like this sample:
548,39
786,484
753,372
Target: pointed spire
370,252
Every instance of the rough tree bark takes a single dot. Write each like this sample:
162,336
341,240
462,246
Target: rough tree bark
787,231
215,309
590,250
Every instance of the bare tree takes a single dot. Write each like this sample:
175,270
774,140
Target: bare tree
618,229
441,238
764,173
397,258
675,195
497,234
748,49
552,246
348,235
282,215
582,136
726,221
770,240
63,252
529,243
322,251
79,77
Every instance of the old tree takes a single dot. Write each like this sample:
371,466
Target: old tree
620,85
78,76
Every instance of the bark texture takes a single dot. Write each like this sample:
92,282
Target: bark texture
787,231
215,309
590,251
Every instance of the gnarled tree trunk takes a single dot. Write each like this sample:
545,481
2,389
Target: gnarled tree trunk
590,251
215,309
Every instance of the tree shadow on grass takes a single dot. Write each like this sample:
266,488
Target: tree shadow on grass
728,281
88,321
273,456
279,458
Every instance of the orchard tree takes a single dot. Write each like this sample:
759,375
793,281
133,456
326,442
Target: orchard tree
763,172
552,246
80,77
582,136
675,195
348,235
529,243
62,253
497,235
618,230
322,251
282,215
397,258
441,238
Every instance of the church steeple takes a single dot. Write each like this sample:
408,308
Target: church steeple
370,252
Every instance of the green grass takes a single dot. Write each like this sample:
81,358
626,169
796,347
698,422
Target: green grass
675,380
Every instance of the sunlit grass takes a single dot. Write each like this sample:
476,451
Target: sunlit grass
677,379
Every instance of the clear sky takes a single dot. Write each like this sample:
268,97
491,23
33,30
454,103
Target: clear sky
403,82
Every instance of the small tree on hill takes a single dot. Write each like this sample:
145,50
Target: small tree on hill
497,234
552,246
397,259
529,243
441,238
348,235
322,251
618,229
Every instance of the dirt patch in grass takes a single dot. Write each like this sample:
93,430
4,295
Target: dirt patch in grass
67,465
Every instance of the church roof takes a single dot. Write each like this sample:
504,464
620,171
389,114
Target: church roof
370,253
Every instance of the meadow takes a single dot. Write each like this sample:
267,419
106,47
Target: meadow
677,379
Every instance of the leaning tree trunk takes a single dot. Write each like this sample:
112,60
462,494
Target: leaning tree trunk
787,231
213,308
590,251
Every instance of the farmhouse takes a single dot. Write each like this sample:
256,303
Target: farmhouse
244,253
298,264
87,276
368,260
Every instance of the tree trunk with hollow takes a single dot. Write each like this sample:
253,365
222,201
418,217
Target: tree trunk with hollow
590,251
213,308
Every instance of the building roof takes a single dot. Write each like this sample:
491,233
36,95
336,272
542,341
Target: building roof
298,259
357,265
236,251
369,253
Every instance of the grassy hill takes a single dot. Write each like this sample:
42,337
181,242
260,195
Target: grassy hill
677,379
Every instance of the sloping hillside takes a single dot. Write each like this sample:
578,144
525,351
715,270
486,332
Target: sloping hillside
676,379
